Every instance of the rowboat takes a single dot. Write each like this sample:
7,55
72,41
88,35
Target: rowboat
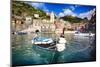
49,43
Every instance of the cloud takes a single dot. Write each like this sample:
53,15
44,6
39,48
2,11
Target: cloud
40,6
61,14
72,7
37,5
66,12
69,12
87,14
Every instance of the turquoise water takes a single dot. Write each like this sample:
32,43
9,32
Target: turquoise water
78,49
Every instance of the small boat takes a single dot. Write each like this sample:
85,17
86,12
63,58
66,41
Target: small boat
49,43
44,42
20,33
84,34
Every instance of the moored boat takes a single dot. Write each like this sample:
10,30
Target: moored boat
44,42
84,34
49,43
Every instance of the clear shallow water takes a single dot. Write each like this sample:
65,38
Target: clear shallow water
24,53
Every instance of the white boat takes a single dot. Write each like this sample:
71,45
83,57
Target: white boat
44,42
84,34
49,43
41,40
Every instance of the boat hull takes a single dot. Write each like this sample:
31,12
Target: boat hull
46,43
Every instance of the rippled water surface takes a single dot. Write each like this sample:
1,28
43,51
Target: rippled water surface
25,53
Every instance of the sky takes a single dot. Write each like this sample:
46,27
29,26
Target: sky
61,10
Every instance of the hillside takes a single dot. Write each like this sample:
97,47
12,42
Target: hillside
20,8
72,19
